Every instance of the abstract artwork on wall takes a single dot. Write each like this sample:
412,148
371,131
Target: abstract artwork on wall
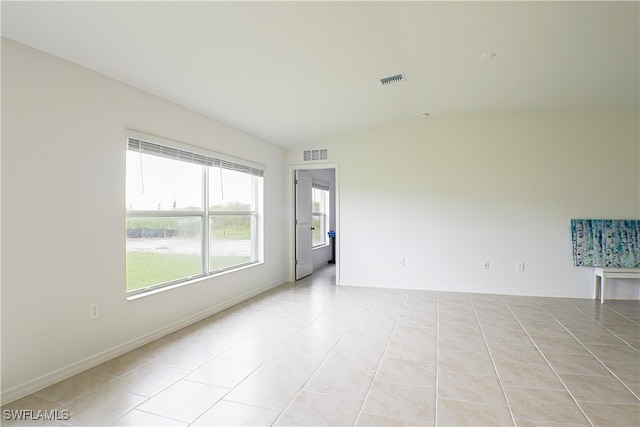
613,243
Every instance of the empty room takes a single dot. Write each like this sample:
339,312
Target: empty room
320,213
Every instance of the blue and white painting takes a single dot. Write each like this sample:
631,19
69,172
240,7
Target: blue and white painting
613,243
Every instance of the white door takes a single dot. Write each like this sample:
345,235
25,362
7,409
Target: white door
304,244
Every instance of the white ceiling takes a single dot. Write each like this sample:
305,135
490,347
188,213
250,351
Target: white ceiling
296,72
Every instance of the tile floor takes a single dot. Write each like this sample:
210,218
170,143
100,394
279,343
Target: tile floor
311,353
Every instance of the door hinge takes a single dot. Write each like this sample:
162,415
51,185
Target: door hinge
296,182
296,262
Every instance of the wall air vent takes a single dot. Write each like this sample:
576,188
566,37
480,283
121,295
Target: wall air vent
386,81
315,154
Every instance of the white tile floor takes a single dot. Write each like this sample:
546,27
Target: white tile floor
311,353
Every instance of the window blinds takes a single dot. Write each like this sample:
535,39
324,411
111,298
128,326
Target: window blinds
320,186
147,147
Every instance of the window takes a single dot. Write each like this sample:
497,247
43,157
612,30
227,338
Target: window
320,214
189,215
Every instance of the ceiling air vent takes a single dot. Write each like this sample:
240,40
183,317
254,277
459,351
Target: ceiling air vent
315,154
392,79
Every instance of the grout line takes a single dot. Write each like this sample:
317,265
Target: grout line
592,353
163,416
324,358
437,393
375,374
603,326
495,368
547,360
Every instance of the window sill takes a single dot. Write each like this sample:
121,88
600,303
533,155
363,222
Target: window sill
321,246
190,282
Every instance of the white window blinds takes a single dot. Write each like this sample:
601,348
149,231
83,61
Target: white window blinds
320,185
155,149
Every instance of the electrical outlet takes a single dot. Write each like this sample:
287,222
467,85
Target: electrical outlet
520,266
94,310
485,265
402,261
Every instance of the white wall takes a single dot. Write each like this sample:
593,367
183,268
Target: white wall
449,193
63,217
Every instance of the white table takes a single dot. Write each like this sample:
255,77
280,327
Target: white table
602,274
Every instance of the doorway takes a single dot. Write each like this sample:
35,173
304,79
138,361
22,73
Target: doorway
314,221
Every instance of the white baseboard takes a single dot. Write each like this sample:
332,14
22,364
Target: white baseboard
33,385
581,294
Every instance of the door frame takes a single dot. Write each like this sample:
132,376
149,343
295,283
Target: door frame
303,210
291,238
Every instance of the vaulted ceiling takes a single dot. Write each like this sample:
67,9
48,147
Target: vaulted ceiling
297,72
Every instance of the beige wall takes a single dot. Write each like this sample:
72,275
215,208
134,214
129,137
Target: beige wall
447,194
63,217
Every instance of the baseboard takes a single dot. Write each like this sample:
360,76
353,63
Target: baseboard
582,294
43,381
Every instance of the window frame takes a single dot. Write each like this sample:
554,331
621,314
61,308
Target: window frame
324,215
207,160
253,214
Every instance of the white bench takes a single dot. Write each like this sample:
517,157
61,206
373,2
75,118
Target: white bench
602,274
